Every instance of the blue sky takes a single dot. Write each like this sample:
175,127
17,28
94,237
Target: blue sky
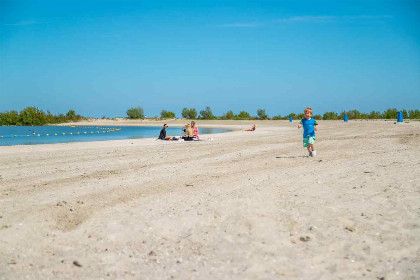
103,57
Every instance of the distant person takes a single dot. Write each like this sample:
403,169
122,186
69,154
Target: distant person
195,132
188,134
252,128
162,135
309,127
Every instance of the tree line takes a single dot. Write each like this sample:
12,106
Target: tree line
34,116
207,114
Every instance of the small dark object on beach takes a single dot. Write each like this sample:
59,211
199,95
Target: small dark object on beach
304,238
152,253
351,229
76,263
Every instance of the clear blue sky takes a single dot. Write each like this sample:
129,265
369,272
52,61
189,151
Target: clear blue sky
102,57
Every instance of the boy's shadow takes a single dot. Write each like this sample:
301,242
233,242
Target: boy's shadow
293,157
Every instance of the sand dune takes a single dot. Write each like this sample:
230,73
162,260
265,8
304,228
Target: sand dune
246,205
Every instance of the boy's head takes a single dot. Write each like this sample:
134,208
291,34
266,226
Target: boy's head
308,112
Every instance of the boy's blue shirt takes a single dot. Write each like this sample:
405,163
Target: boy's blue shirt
308,127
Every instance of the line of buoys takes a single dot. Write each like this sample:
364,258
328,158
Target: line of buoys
104,130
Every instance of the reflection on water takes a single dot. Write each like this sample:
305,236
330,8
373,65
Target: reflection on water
33,135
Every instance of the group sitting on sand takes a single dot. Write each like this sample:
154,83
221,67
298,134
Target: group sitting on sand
191,133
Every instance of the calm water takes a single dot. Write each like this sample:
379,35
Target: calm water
33,135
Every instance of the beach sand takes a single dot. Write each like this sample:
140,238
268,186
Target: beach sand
245,205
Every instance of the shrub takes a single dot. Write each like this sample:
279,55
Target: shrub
32,116
243,116
228,116
189,113
167,114
261,114
10,118
207,114
135,113
374,115
71,115
414,114
330,116
390,114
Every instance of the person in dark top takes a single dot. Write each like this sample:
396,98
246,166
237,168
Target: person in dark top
162,135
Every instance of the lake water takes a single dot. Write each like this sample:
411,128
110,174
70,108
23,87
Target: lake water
34,135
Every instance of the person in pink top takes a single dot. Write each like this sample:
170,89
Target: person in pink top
196,133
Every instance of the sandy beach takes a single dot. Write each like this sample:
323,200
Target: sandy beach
245,205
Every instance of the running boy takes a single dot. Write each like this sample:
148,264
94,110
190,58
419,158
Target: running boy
309,127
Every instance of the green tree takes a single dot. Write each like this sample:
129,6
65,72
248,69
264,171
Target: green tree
167,114
243,116
185,113
32,116
10,118
414,114
330,116
71,115
278,117
192,114
390,114
207,114
352,114
261,114
135,113
374,115
228,116
189,113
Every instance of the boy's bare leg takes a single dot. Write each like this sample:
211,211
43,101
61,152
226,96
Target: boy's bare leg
310,148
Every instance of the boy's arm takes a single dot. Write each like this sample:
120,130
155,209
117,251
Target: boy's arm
316,126
300,124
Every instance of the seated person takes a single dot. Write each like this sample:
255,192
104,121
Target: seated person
196,133
251,129
188,134
162,135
